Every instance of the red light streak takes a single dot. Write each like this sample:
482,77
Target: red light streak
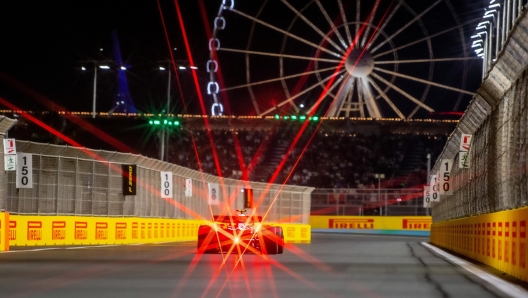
65,113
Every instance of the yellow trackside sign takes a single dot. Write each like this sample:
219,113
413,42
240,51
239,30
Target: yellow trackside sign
4,231
296,233
496,239
391,223
23,230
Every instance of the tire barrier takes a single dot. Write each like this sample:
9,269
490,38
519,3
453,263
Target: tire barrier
396,225
495,239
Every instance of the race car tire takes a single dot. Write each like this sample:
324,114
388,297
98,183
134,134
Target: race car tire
270,241
203,232
278,232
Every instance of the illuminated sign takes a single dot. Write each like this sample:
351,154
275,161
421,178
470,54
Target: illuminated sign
129,179
416,224
345,223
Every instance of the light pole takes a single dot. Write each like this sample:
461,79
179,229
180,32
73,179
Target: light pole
379,177
165,138
96,65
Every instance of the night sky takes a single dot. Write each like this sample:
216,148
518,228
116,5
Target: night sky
43,44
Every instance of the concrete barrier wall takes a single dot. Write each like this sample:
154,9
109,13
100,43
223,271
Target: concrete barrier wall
24,230
496,239
403,225
4,223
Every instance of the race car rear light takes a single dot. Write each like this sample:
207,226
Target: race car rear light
257,227
237,240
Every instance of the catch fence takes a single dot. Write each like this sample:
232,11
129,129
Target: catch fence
497,119
79,181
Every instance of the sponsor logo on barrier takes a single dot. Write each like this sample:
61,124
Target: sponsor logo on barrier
178,230
58,230
162,230
290,232
304,233
522,244
416,224
143,233
156,230
174,230
135,234
81,230
344,223
34,230
149,230
120,232
101,230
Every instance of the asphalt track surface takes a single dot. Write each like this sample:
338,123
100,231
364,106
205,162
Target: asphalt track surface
331,266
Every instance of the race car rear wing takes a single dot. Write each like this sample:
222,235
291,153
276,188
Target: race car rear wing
236,218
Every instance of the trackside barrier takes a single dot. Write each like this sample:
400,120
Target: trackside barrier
396,225
4,231
496,239
296,233
26,230
79,230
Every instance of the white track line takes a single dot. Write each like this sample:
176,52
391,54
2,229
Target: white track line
502,285
25,250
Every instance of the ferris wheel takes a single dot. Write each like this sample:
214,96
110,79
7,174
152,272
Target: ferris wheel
341,58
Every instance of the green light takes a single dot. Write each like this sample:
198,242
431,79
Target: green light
165,121
285,117
302,118
277,117
294,117
170,122
151,122
177,123
314,118
157,122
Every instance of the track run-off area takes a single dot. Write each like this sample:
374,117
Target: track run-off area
332,265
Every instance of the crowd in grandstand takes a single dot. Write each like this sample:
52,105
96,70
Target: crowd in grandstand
321,158
328,160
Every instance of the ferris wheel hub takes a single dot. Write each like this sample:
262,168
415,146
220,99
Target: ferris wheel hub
359,63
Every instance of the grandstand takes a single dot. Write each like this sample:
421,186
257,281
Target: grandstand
353,149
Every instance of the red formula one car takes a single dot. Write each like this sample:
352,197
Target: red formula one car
240,234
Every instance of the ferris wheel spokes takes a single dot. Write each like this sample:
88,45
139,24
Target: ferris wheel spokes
279,55
306,91
460,26
324,36
386,98
279,79
382,26
415,19
410,97
369,24
332,25
424,81
287,33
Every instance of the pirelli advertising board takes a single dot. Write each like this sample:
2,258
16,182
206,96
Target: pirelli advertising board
25,230
71,230
394,223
